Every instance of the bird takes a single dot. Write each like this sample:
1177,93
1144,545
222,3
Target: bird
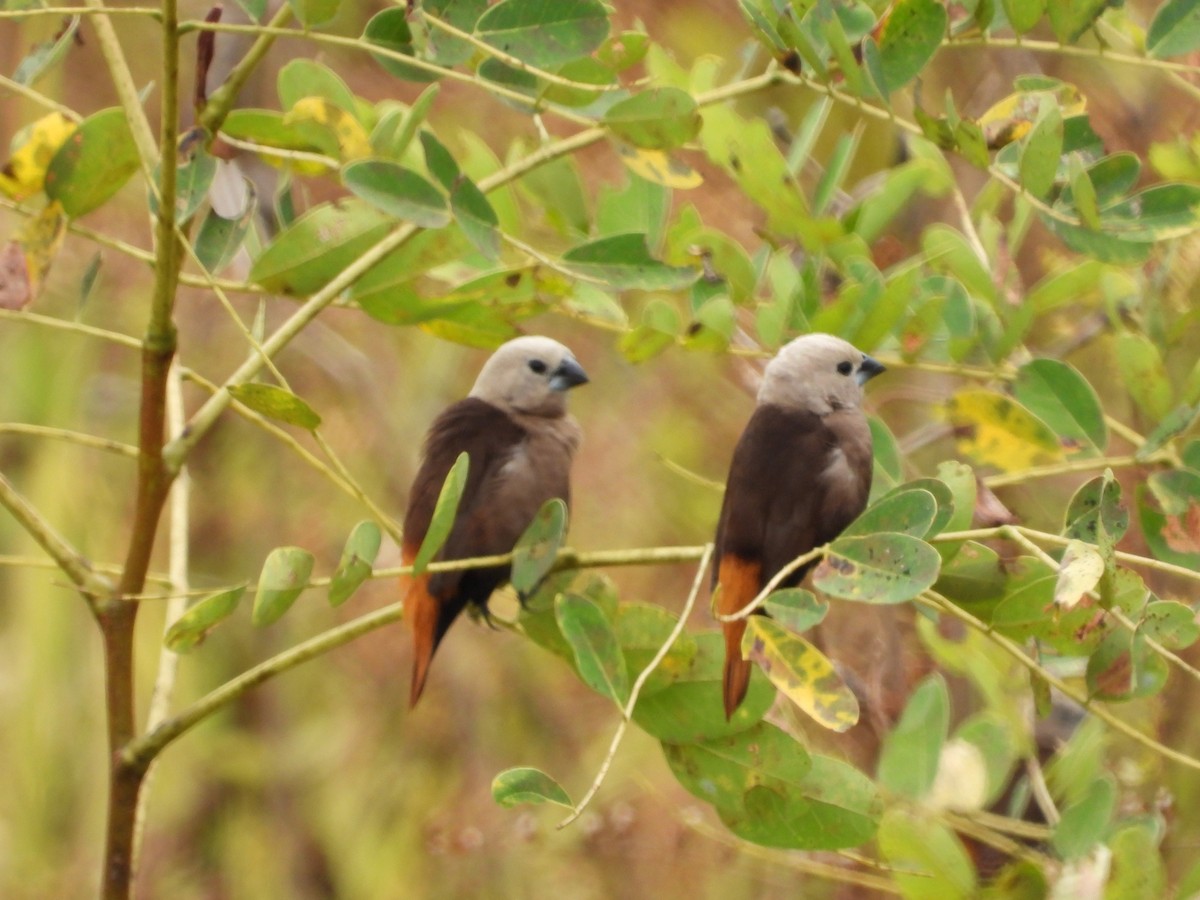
520,441
800,473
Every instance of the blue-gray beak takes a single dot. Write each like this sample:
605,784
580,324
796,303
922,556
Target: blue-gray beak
569,374
869,369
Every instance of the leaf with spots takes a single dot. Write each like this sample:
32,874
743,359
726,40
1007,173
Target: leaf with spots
880,568
803,673
906,511
538,547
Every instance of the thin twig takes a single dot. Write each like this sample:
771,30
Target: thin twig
70,437
635,691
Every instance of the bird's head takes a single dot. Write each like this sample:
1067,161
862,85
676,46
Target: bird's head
529,375
819,373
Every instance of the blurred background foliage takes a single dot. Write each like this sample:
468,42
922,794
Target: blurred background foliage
320,782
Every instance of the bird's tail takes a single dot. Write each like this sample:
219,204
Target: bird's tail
739,583
422,611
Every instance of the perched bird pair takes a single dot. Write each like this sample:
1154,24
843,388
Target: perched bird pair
801,473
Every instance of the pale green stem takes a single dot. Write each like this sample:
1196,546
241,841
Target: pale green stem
75,327
71,437
636,690
35,96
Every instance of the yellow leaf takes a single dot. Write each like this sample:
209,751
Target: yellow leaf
34,147
1011,118
996,430
352,139
659,167
1079,572
40,239
801,671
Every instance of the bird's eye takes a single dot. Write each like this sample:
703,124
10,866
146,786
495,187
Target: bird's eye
537,366
845,367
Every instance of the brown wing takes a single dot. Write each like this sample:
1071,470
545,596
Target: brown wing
432,602
795,482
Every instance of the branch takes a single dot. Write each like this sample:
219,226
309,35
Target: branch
221,101
73,563
71,437
636,690
938,602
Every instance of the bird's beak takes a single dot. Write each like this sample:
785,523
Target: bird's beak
869,369
569,374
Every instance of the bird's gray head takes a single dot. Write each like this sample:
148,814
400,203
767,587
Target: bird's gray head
818,373
529,375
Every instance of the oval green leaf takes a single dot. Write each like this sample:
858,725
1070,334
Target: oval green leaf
444,512
189,630
908,762
598,656
690,709
657,119
276,403
314,12
512,787
283,578
398,191
796,609
317,246
544,34
879,568
93,163
219,238
1056,393
803,673
624,262
1171,624
905,511
537,548
1085,823
642,629
912,33
1175,29
358,556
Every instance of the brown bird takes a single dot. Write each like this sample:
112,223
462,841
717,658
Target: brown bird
515,428
801,473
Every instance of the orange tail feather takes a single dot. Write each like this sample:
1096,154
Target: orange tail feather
739,581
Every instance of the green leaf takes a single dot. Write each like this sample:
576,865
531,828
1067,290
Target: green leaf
879,568
219,239
283,578
796,609
1095,512
397,191
512,787
623,261
974,575
269,128
1145,376
1171,524
769,790
302,78
912,33
314,12
1175,29
390,30
538,547
692,709
1124,667
1057,394
908,762
1023,14
1084,823
467,202
657,331
1176,422
544,34
1138,868
444,512
803,673
905,511
93,163
1079,572
189,630
642,629
888,466
927,860
358,556
1171,624
47,54
1069,19
993,736
276,403
658,119
319,245
598,656
1041,151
